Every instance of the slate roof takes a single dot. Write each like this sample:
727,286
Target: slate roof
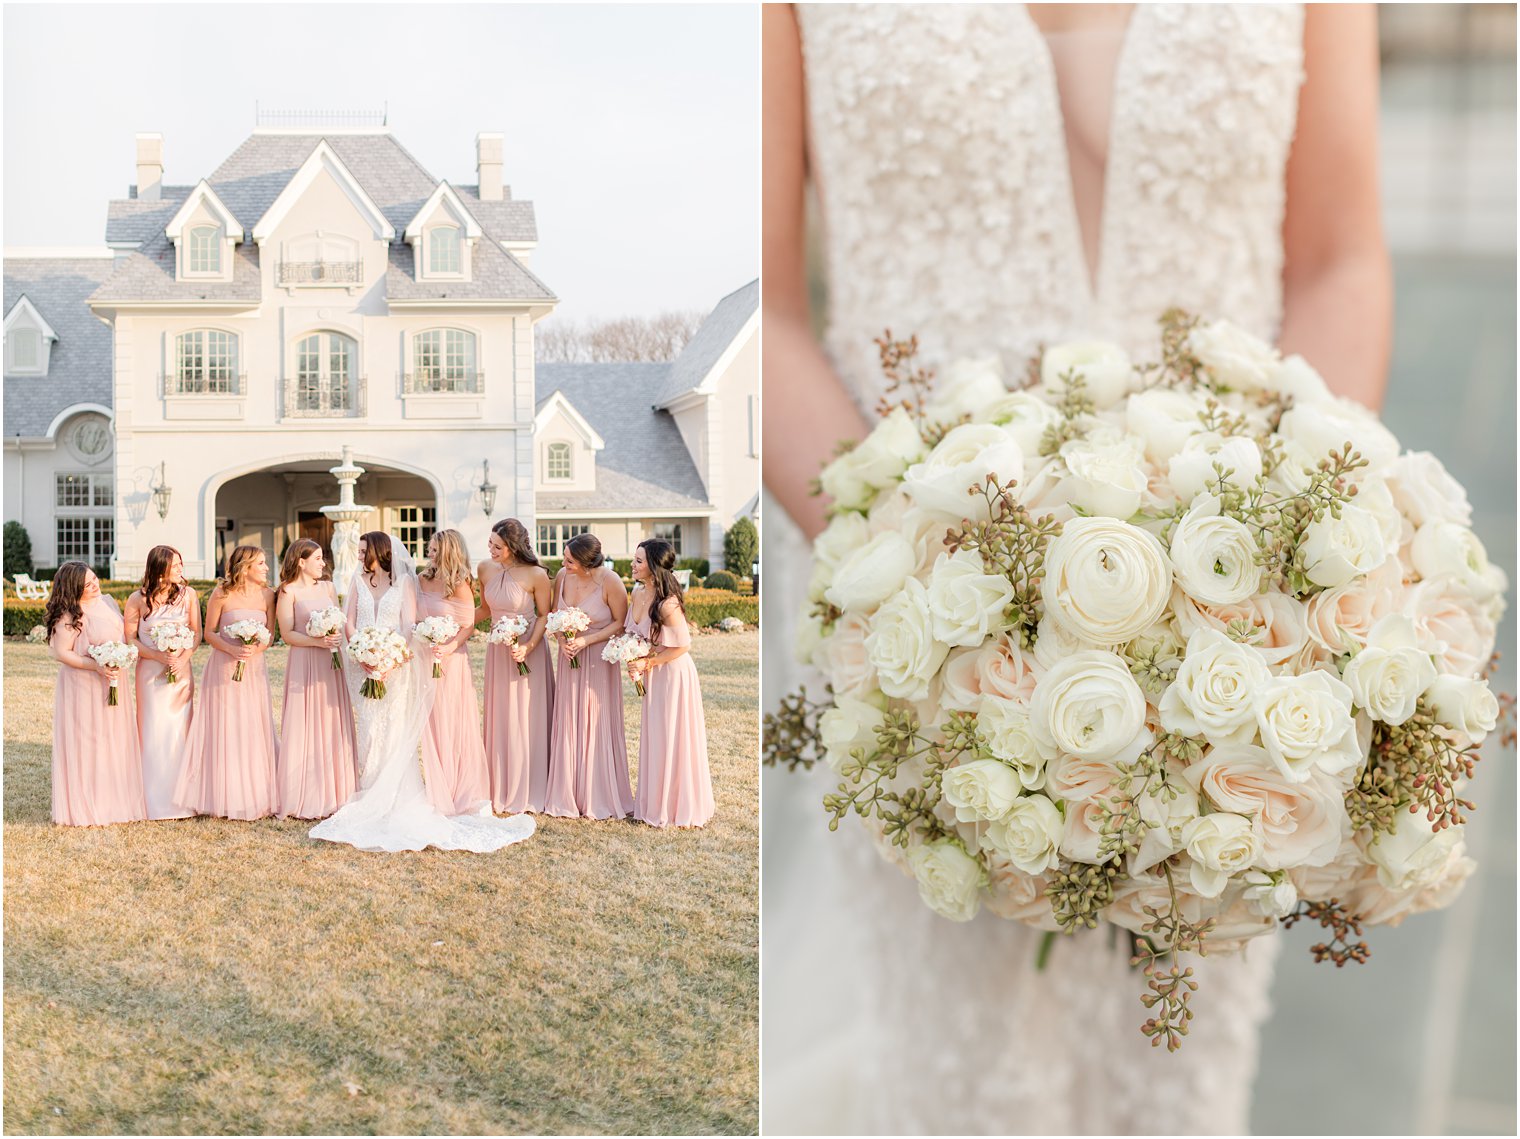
250,180
712,339
79,366
645,465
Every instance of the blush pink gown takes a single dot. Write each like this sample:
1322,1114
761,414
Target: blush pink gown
164,714
316,767
588,757
517,708
230,770
675,786
453,755
97,763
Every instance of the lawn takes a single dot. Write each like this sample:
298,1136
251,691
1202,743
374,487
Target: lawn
208,976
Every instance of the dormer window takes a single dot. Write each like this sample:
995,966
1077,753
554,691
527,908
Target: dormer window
205,252
557,462
26,350
203,231
443,249
444,237
28,340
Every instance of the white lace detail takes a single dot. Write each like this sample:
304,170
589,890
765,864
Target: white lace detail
366,712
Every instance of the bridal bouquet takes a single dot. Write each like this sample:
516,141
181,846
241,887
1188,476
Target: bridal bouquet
1189,647
250,633
624,648
435,631
327,622
508,630
569,621
171,637
113,654
383,650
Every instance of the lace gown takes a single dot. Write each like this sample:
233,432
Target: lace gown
939,149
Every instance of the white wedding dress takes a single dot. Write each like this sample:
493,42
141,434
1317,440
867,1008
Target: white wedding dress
938,147
391,810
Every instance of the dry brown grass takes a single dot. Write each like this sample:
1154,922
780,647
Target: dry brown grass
209,976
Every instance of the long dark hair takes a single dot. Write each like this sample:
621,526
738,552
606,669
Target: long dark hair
296,553
660,556
378,544
63,601
514,536
156,573
586,549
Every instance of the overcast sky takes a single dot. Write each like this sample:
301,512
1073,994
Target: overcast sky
633,129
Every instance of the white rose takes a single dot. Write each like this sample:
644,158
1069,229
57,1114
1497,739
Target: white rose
1292,474
1024,415
1167,819
960,685
1464,705
1328,425
873,573
1053,643
1413,853
981,791
966,602
842,656
1028,835
1016,896
1425,492
1089,706
1164,420
1237,359
1305,724
1335,550
1005,727
1081,830
1295,377
901,645
1445,549
1108,475
1300,823
1373,496
1214,692
1280,636
1191,470
1104,369
874,464
1450,625
964,458
1387,676
1105,580
1220,845
1007,671
1270,893
1072,779
808,640
1213,555
844,534
1340,618
848,725
949,880
964,387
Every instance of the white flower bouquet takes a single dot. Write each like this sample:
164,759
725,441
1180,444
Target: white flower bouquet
508,630
439,630
117,655
383,650
250,633
171,637
37,635
569,622
327,622
1190,648
626,647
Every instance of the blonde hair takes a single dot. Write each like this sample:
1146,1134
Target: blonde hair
452,566
238,563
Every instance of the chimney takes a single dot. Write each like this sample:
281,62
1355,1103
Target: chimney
488,166
150,167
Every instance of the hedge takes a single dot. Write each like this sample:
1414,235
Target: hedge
724,581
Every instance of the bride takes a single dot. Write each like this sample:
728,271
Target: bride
391,810
991,178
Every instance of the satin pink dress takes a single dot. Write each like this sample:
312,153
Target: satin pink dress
164,714
675,786
588,757
97,762
316,767
518,708
453,755
231,768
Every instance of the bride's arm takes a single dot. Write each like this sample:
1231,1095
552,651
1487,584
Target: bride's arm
806,408
1337,282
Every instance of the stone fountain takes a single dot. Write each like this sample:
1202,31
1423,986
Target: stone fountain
345,517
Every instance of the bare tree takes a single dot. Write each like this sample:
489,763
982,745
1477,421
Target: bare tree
628,339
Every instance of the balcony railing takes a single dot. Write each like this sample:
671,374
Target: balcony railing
320,273
427,383
202,383
326,400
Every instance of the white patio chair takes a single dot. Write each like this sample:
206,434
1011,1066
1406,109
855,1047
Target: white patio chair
29,590
683,578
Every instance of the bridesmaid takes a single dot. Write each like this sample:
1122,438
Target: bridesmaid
453,756
231,767
675,788
163,709
512,583
97,764
588,757
316,767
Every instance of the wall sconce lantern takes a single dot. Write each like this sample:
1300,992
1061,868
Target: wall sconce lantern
487,490
161,493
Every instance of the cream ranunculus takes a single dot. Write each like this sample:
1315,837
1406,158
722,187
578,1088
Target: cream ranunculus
1220,846
1387,677
966,602
874,464
1213,555
1088,706
1237,359
963,459
873,573
1005,727
1107,473
964,387
1024,415
949,880
1335,550
1306,726
981,791
1103,368
1164,420
1028,835
1465,705
1105,580
1414,853
1300,823
1191,471
1425,492
901,645
1213,694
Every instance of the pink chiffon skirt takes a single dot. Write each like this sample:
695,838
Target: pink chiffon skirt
675,786
588,757
317,768
453,756
97,764
230,770
517,728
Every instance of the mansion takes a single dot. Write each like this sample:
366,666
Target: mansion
194,381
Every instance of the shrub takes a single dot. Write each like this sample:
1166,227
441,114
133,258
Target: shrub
706,607
740,545
20,616
721,580
700,567
552,566
18,550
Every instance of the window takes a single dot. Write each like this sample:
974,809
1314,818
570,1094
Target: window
670,532
324,374
205,253
206,363
443,249
84,491
552,537
557,462
88,540
86,521
443,360
26,349
415,526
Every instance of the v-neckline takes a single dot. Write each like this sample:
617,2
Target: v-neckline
1088,281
